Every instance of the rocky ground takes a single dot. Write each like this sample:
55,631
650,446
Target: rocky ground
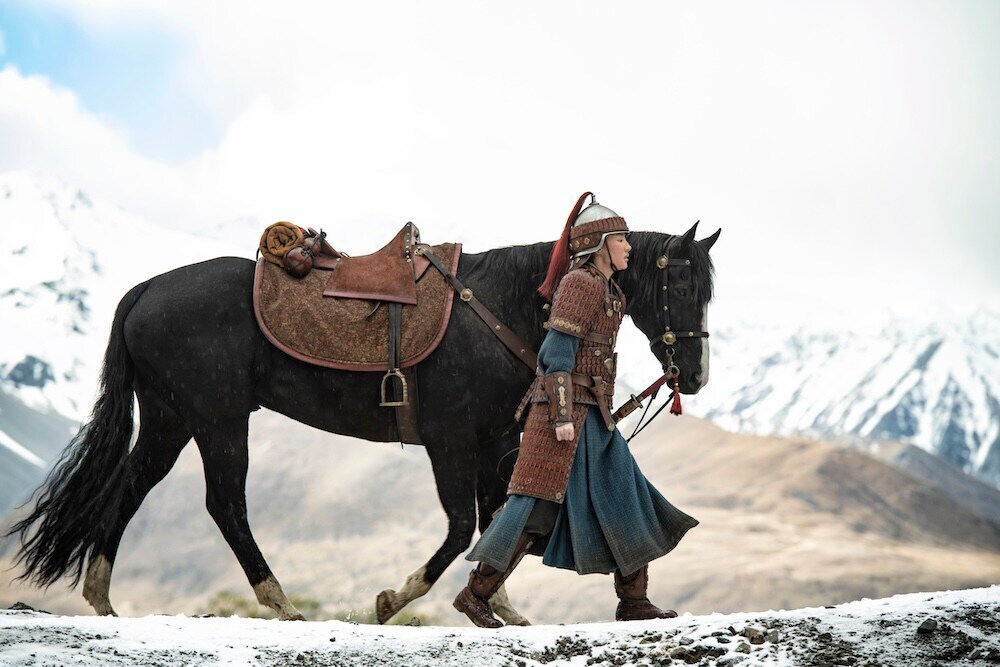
923,629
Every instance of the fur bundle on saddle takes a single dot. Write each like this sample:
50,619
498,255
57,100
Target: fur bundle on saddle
293,248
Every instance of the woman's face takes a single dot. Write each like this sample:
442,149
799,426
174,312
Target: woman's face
618,248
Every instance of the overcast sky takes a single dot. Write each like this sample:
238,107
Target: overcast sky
847,149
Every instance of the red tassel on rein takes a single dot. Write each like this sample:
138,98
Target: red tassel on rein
559,261
675,408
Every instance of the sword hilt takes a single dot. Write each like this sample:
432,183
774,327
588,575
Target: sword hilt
630,406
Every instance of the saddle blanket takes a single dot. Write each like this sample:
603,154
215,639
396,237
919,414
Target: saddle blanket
350,334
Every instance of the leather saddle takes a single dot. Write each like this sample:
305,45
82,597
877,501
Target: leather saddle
389,274
378,312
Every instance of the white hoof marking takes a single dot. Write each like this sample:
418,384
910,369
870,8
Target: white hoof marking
390,602
97,586
269,594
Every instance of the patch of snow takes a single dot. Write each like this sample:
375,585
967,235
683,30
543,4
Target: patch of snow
20,450
957,625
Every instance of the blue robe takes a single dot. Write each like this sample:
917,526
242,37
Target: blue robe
612,517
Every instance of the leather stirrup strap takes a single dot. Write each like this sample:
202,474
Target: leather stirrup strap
394,377
395,327
521,349
406,415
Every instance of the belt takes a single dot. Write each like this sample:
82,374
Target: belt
601,390
595,384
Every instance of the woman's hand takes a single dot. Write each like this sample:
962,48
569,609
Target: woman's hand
565,432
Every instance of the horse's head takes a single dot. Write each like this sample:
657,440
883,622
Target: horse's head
668,285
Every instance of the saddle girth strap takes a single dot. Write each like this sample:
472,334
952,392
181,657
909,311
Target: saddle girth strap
517,345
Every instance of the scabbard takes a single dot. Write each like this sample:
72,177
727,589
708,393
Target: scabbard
602,404
630,406
635,402
527,399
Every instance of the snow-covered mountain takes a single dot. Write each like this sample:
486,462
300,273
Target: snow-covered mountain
935,385
68,259
65,263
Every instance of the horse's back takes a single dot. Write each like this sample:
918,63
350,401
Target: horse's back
218,285
194,319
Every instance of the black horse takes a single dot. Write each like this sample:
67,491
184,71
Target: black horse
187,345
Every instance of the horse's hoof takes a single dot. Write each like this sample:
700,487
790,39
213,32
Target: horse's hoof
385,606
292,617
105,610
101,607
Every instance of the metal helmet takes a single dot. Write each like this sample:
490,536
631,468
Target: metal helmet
582,236
594,224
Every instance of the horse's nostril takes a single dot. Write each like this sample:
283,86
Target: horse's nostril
696,377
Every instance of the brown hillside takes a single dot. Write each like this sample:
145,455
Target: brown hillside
786,523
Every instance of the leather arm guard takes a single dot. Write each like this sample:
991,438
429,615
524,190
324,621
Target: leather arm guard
559,390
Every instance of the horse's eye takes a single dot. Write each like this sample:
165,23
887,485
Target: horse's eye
681,292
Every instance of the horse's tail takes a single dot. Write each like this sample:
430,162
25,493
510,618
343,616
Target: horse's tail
77,505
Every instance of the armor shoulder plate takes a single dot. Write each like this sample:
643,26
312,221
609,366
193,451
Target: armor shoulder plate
577,301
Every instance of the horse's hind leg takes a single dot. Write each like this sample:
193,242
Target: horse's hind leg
455,474
162,436
223,447
496,463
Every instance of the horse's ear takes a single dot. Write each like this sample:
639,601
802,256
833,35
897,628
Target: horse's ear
707,243
688,237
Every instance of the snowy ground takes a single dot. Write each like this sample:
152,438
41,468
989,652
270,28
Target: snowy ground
925,629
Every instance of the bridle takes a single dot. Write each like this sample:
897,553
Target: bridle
667,339
669,336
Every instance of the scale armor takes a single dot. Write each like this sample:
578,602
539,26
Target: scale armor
586,306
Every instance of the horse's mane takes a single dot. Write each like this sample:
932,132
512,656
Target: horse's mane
525,264
529,263
527,260
646,248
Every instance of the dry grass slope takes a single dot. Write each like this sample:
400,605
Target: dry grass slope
786,523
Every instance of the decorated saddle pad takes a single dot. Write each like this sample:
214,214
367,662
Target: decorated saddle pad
350,334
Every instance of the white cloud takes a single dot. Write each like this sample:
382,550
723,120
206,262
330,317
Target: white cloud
44,129
844,148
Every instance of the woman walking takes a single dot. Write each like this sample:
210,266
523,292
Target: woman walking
577,497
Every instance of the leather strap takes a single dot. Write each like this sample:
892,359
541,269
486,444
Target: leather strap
593,337
395,326
406,415
604,339
588,381
669,337
521,349
598,387
559,390
526,400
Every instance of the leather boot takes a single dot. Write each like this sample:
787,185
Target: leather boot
633,605
484,581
